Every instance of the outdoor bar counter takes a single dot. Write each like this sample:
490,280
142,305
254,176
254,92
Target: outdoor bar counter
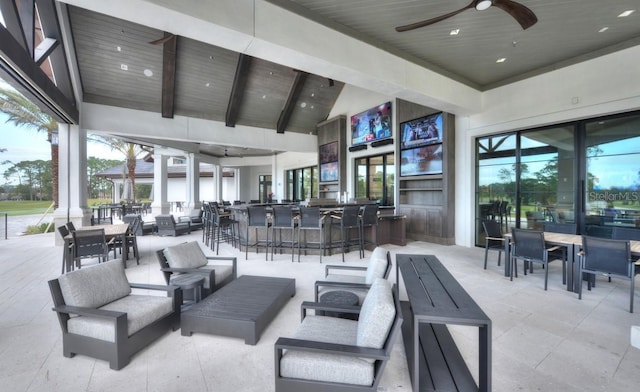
391,228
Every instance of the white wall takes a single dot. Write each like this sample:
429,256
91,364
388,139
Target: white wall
602,86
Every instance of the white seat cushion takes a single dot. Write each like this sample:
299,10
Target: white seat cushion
377,265
92,287
141,311
186,255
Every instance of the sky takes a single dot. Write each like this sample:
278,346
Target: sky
27,144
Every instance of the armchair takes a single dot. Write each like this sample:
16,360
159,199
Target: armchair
194,218
167,225
188,258
357,279
101,318
333,354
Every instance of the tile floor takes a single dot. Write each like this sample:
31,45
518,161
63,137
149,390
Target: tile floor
545,341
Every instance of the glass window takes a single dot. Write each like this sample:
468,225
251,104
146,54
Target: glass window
302,183
375,179
612,180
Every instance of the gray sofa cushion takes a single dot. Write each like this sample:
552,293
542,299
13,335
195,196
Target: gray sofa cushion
327,367
222,273
186,255
377,265
92,287
141,311
376,315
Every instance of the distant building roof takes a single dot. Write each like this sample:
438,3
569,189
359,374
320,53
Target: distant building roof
144,169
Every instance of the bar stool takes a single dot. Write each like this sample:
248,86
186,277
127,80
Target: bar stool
283,218
349,219
225,229
311,219
369,218
257,219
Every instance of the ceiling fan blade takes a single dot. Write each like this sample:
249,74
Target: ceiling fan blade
428,22
519,12
162,40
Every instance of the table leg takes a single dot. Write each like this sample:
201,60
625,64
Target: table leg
484,360
507,257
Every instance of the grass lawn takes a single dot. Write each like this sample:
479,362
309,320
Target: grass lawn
13,208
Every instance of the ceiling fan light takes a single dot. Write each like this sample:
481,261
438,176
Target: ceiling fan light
483,5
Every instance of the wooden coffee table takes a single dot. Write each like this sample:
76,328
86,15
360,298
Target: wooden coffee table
242,308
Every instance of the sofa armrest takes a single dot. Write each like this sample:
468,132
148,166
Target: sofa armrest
92,312
343,267
329,348
318,306
339,285
233,260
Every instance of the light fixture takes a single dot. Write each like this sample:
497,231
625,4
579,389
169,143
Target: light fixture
55,138
124,67
148,73
454,32
602,30
483,5
501,60
626,13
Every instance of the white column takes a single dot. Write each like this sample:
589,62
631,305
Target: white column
116,191
72,178
217,180
193,182
160,204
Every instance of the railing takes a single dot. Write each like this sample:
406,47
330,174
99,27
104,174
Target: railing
6,225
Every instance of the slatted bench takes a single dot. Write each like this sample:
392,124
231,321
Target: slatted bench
435,300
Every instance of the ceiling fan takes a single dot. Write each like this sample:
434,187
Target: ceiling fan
519,12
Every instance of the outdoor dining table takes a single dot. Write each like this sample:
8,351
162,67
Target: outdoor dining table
573,244
110,232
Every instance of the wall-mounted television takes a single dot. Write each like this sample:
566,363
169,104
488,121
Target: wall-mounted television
329,172
421,160
421,131
371,125
329,152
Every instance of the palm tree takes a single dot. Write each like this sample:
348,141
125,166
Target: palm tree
130,150
24,113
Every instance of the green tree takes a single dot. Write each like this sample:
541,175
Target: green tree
33,177
131,152
23,113
99,187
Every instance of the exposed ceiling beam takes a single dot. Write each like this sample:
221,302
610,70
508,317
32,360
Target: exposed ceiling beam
12,20
294,93
18,68
237,91
27,19
169,52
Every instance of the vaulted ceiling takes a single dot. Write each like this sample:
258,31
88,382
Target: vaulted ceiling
135,66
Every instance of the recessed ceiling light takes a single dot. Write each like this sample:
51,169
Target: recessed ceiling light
207,84
264,97
483,5
501,60
454,32
119,49
313,94
148,73
124,67
303,105
626,13
602,30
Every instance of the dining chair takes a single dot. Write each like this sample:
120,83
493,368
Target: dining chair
369,218
493,240
67,251
89,244
604,256
529,246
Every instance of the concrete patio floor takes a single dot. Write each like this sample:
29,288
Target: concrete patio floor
545,341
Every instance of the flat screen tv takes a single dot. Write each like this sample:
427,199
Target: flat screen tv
421,131
329,172
329,152
421,160
371,125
